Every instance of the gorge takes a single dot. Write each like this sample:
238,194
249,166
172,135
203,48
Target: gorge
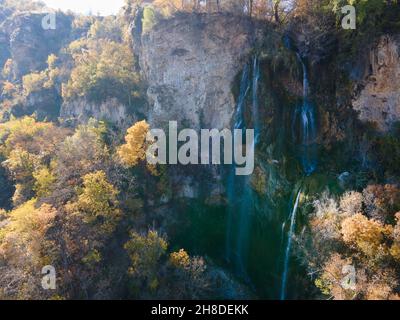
313,185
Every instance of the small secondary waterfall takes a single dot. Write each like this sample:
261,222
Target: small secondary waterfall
244,90
239,192
255,105
304,129
289,245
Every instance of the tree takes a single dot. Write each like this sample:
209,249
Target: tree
27,146
24,250
46,79
33,82
344,235
80,154
366,235
44,179
190,274
149,19
145,252
134,150
103,69
381,202
98,202
107,28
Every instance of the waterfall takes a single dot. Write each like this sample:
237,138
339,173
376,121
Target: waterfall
243,91
304,122
239,192
255,105
304,135
288,246
282,233
232,181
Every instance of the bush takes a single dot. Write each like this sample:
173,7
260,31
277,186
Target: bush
149,19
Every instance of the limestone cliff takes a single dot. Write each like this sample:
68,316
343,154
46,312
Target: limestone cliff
29,44
379,99
81,110
190,62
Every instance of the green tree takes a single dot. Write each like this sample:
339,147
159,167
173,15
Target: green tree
44,179
103,69
145,253
98,201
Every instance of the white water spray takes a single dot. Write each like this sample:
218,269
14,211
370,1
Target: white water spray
288,246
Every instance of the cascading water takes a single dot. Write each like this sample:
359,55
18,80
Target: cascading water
289,245
240,196
304,129
244,90
255,106
232,181
247,198
305,135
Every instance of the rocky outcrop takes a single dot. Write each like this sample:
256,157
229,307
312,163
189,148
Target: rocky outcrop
29,44
4,40
45,104
4,48
314,40
190,62
81,110
379,99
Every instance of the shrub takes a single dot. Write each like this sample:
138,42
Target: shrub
149,19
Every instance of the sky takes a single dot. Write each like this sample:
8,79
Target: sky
104,7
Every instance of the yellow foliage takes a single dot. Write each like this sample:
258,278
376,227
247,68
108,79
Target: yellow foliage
145,252
180,259
366,235
98,199
21,164
51,61
43,181
103,69
34,82
39,138
134,150
26,231
92,257
395,249
45,79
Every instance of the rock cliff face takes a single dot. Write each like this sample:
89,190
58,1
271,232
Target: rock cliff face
4,48
379,99
45,104
190,63
4,41
28,44
81,110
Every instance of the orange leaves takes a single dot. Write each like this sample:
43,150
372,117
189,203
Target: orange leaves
357,231
366,235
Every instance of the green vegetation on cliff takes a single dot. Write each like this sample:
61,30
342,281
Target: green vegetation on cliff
79,195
